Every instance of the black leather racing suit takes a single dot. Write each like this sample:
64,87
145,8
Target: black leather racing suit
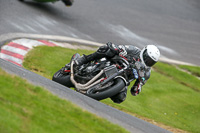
109,50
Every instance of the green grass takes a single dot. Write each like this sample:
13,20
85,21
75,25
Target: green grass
25,108
171,96
47,60
195,70
179,76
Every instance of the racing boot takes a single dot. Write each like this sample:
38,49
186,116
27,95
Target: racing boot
120,97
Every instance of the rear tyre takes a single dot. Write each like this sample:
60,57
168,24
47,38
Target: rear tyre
63,79
68,2
111,91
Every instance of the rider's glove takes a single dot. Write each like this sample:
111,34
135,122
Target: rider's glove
135,90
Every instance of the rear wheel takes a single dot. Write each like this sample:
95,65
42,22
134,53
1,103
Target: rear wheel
68,2
117,86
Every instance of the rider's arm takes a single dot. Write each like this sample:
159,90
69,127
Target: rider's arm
137,87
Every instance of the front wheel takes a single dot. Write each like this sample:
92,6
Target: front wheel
117,86
62,78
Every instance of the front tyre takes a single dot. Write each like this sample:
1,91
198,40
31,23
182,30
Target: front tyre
111,91
62,78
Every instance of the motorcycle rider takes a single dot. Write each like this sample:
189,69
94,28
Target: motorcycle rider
143,60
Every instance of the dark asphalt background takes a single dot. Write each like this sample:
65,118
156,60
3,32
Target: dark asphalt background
174,25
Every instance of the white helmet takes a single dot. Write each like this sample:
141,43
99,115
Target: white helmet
149,55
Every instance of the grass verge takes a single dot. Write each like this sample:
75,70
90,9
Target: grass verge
25,108
192,69
170,96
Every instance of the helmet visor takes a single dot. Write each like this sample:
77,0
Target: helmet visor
147,59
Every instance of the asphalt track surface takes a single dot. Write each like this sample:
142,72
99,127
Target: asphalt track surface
174,25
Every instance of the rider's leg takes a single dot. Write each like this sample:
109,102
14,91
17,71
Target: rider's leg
102,52
120,97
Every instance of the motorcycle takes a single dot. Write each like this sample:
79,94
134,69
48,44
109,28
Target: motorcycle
66,2
99,79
